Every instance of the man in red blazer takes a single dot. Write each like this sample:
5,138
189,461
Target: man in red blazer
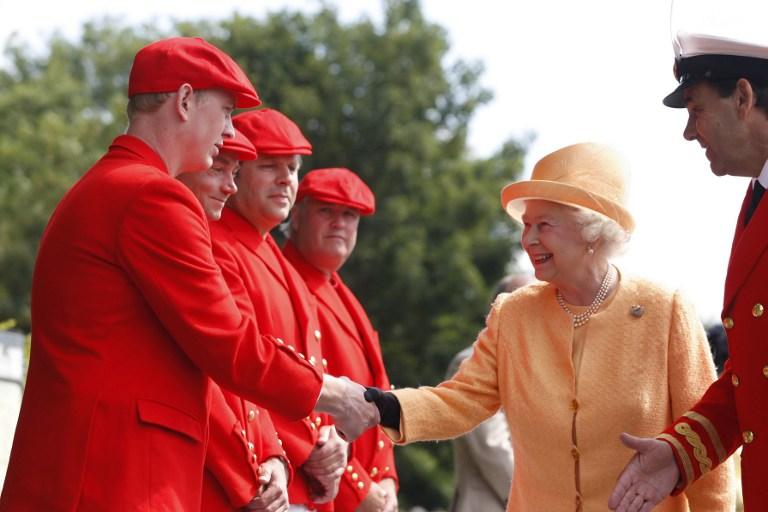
323,233
245,464
130,313
724,85
249,257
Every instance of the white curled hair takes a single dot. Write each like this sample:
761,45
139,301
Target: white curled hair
597,227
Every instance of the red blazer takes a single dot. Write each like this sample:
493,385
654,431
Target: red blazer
284,309
129,310
242,436
351,347
734,410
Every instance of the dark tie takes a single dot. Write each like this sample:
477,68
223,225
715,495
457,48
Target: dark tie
757,194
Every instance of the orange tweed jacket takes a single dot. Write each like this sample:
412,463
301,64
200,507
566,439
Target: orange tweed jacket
646,360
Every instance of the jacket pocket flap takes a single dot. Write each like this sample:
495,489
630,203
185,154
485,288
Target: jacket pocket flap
169,417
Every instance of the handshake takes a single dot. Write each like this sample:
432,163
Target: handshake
354,408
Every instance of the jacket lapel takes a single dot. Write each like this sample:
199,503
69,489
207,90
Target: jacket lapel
318,284
298,292
749,243
364,329
328,296
275,264
242,230
356,323
250,238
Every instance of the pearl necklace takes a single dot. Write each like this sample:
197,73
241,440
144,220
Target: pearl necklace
582,318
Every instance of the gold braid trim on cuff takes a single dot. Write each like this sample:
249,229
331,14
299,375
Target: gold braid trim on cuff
711,432
686,461
699,450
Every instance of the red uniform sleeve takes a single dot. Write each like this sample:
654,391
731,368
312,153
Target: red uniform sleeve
706,435
298,437
173,266
354,486
356,482
271,444
229,458
384,461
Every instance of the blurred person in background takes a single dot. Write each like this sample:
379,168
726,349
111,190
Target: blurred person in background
482,459
718,343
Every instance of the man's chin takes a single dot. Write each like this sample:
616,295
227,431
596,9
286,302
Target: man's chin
337,253
717,170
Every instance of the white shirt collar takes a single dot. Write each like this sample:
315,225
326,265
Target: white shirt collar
763,178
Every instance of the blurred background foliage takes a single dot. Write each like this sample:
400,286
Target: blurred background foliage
380,98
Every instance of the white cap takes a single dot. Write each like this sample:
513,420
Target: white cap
706,57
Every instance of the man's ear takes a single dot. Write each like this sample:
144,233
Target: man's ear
184,96
745,97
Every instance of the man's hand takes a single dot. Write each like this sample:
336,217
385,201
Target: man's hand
325,465
273,496
344,400
648,478
374,501
389,486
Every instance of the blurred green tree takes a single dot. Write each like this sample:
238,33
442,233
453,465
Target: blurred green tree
58,113
381,99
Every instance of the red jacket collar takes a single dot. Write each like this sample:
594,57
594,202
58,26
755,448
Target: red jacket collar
128,146
241,228
313,277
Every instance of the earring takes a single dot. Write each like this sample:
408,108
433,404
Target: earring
590,250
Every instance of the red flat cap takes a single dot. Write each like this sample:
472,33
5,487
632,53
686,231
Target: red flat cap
272,133
163,66
339,186
240,146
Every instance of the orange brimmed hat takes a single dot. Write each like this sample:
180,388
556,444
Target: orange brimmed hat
587,175
165,65
272,133
240,146
337,185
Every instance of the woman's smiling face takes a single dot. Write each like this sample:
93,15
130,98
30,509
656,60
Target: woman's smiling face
552,239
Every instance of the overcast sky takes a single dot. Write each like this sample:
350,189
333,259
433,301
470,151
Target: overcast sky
592,70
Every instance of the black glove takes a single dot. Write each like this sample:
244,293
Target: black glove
387,404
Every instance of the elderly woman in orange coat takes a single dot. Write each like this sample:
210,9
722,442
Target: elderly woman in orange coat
587,353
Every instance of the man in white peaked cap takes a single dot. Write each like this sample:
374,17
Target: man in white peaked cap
723,83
